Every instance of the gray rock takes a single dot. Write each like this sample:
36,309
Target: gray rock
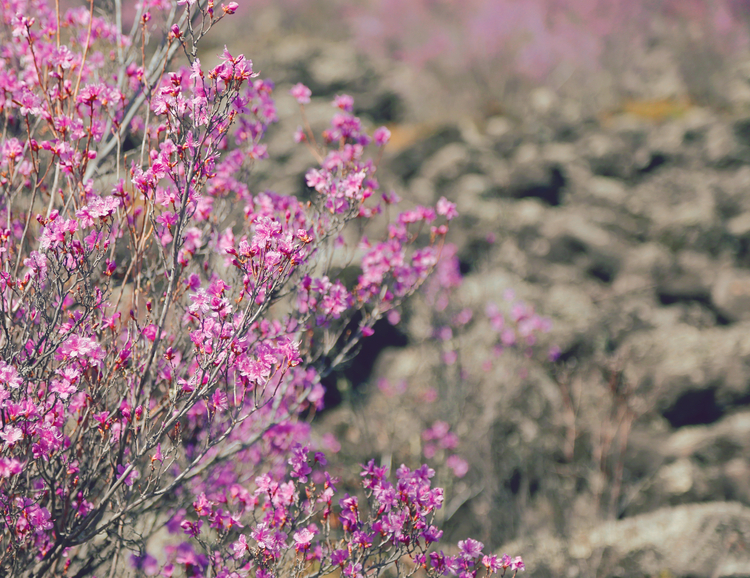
658,208
731,294
731,436
607,155
495,168
531,175
696,123
448,163
691,376
498,127
739,226
469,191
731,192
422,191
721,146
648,259
693,464
579,241
680,208
708,540
503,135
408,163
335,67
608,190
690,276
573,313
666,142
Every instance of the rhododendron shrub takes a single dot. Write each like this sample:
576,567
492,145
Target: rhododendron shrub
430,419
165,328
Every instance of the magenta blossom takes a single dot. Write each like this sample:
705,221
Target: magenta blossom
301,93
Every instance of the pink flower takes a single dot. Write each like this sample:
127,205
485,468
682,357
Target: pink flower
300,92
302,540
219,401
505,561
10,467
9,376
344,102
450,357
240,546
150,332
11,435
338,557
131,477
202,505
62,56
83,348
12,148
491,563
381,136
230,8
63,388
446,208
262,535
459,465
470,548
508,337
191,528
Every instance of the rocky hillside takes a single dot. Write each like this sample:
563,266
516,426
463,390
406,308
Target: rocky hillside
630,229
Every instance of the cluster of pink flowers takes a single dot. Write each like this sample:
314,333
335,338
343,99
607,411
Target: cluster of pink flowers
440,437
468,341
165,328
518,328
514,325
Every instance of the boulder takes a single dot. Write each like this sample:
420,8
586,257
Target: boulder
731,294
708,540
690,376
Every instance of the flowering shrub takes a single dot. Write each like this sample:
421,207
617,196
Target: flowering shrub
431,420
164,328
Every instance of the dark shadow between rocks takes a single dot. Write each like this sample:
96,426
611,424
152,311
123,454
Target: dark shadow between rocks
550,191
694,407
605,271
667,298
657,160
359,369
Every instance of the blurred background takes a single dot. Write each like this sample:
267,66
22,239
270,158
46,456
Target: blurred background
482,57
578,373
